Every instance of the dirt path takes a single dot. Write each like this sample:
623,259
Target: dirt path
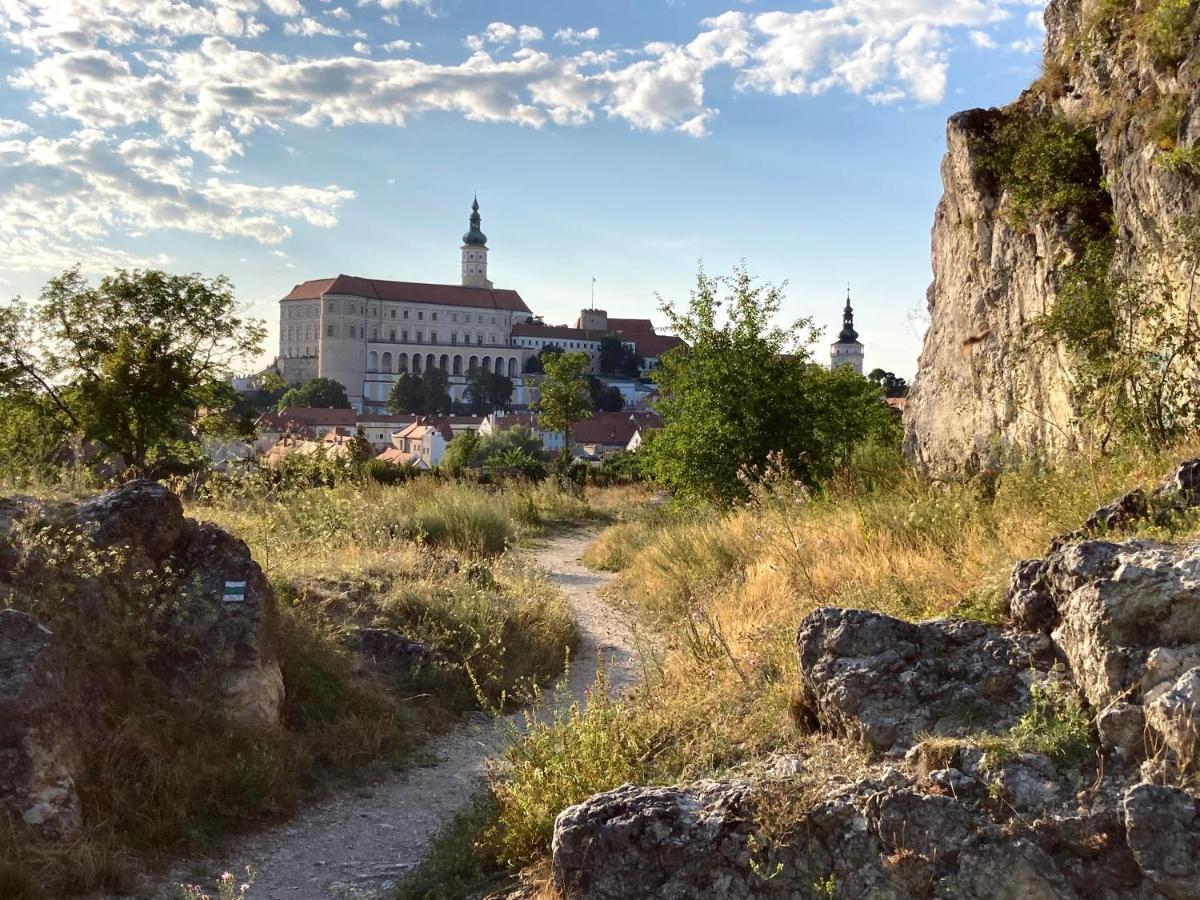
356,844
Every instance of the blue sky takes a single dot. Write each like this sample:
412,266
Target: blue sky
279,140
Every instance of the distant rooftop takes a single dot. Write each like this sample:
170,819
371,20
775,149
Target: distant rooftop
409,292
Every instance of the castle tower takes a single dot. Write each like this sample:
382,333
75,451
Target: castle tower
847,351
474,253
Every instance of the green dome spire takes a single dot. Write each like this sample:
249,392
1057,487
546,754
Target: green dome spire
475,237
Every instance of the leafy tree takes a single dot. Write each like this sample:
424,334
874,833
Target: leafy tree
360,448
436,387
743,388
487,391
527,464
533,366
893,385
617,359
565,398
605,398
420,395
407,396
500,442
321,393
131,363
459,452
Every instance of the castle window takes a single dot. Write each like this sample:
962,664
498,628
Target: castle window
433,316
392,335
433,337
453,317
329,331
393,314
332,306
454,337
374,334
420,314
406,314
404,335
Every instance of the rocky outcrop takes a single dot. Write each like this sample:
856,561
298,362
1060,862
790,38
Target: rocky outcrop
203,609
984,392
884,682
39,755
998,795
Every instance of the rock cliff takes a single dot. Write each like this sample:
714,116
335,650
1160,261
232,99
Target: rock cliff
1122,79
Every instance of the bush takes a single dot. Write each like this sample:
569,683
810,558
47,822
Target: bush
464,519
518,461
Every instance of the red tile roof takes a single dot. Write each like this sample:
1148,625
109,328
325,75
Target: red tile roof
564,332
308,415
410,292
631,326
604,428
652,346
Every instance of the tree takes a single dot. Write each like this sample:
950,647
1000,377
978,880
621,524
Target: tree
407,395
497,443
533,366
488,391
459,452
436,388
617,359
321,393
743,387
605,398
893,385
565,398
131,363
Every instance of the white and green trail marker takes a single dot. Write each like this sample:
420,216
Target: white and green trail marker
235,592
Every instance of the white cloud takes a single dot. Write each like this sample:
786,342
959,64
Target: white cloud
572,37
501,33
10,127
64,198
308,27
119,68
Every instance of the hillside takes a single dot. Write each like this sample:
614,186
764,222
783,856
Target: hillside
1093,170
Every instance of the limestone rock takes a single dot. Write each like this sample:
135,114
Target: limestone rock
984,392
884,681
1163,828
141,515
681,842
39,759
1175,716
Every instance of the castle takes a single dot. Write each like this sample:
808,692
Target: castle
365,332
847,350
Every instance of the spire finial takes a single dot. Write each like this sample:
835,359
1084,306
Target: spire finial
475,235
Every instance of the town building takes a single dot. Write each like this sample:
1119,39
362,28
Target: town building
367,332
847,351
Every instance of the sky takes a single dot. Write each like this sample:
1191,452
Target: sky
626,141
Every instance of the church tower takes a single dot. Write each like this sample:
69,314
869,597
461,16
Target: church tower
847,351
474,253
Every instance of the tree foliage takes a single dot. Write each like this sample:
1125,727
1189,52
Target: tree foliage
893,385
421,395
131,363
487,391
605,398
320,393
565,398
742,387
617,359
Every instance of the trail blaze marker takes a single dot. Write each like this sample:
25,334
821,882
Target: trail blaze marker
235,592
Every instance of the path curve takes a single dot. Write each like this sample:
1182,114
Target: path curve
358,842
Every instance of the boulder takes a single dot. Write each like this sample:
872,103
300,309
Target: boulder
139,515
1162,825
390,650
671,842
39,758
228,624
883,681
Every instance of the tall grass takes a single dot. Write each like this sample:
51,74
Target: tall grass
727,592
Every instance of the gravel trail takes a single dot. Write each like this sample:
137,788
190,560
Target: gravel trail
357,843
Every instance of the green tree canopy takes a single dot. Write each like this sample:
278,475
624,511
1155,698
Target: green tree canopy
132,362
487,391
605,398
565,398
421,395
322,393
742,387
617,359
893,385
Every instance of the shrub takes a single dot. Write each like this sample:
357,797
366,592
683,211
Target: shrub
518,461
462,518
1166,28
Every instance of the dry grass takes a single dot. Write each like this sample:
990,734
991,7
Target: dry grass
166,775
728,591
